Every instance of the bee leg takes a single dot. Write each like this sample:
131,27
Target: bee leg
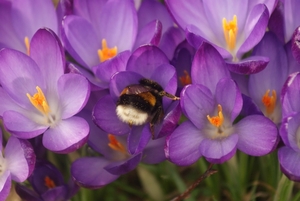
158,115
152,130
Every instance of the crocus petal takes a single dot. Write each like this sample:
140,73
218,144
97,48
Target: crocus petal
182,146
82,47
158,11
5,185
50,60
19,75
150,34
67,136
249,107
255,28
283,130
26,193
146,59
74,91
291,18
9,38
196,103
258,135
106,69
289,98
208,67
231,106
57,193
170,39
293,64
118,30
188,12
90,173
7,103
289,163
293,133
296,44
250,65
154,151
219,151
32,16
138,138
21,126
20,158
90,10
276,21
107,118
123,167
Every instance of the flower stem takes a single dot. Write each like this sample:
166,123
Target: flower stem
188,191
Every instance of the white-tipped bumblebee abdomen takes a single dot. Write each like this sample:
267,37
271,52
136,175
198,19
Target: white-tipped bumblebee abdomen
131,115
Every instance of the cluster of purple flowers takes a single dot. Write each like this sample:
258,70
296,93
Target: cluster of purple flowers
63,69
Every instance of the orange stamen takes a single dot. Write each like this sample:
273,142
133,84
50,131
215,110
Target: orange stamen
230,30
27,45
217,121
38,100
49,183
269,101
185,79
106,53
115,144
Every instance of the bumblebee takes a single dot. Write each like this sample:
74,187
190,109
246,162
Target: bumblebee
142,103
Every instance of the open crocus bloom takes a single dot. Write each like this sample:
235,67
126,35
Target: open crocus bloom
17,163
37,97
211,104
232,27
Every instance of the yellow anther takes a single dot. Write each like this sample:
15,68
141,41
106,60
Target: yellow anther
269,101
230,30
27,45
49,183
106,53
185,79
115,144
217,121
39,101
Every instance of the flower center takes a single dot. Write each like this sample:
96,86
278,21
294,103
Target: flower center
27,45
115,144
185,79
230,30
106,53
38,100
269,101
218,120
49,183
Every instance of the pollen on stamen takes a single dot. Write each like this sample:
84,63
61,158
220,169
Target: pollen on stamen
218,120
106,53
38,100
269,101
115,144
230,30
185,79
27,45
49,183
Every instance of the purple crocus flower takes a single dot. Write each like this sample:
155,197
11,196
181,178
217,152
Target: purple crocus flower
211,105
289,155
232,27
93,38
146,62
265,86
16,164
48,184
37,97
21,19
285,19
115,159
